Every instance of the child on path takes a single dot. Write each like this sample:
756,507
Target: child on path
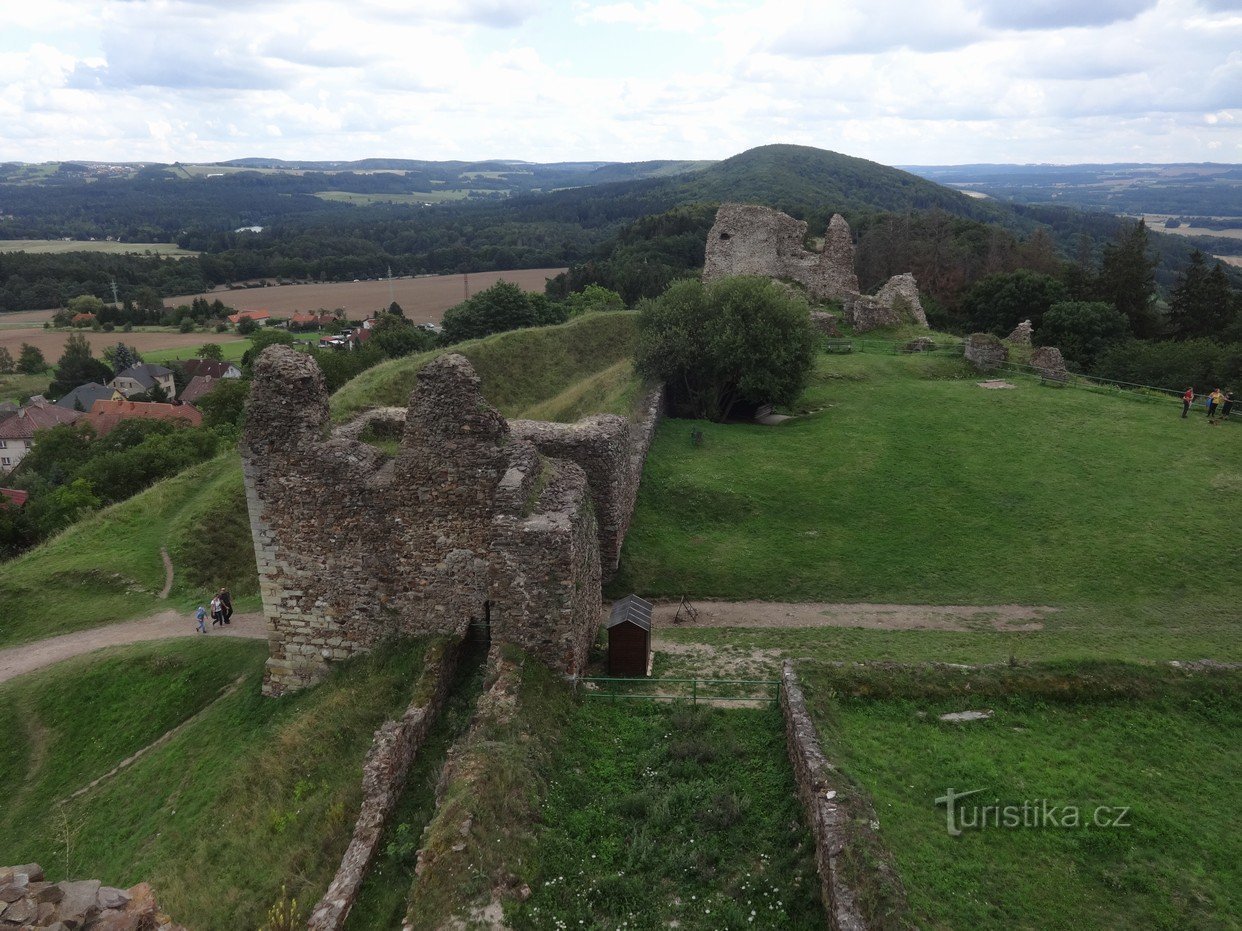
1188,399
201,616
217,614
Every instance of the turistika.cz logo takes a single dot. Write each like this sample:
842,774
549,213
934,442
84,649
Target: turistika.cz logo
1030,813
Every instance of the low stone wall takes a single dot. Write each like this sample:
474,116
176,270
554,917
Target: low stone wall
383,779
985,352
1048,362
27,901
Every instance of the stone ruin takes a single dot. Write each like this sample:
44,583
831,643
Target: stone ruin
1049,364
985,352
1021,334
28,901
470,521
748,239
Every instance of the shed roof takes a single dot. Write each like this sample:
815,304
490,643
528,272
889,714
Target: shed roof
633,609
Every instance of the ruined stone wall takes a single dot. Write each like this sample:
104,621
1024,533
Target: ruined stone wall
612,450
748,239
27,900
985,352
353,546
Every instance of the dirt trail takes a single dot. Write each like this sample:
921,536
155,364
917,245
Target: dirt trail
168,573
874,616
18,661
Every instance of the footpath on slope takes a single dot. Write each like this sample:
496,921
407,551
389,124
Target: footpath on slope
17,661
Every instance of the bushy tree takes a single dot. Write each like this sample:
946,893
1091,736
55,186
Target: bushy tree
591,298
501,307
211,351
120,357
262,340
30,360
738,340
1174,364
225,403
1082,330
85,304
77,366
998,303
57,508
7,365
395,337
246,326
1201,303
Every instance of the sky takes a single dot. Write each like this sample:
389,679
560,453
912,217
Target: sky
902,82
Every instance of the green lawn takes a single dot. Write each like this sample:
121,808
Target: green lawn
914,485
253,794
1158,743
232,349
18,387
659,814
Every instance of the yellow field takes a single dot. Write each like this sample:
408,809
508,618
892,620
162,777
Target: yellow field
74,245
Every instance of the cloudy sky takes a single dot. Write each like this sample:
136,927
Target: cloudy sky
897,81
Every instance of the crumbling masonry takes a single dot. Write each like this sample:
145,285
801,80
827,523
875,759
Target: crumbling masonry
469,521
748,239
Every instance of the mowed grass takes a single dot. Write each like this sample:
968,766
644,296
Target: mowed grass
231,350
659,814
1159,744
251,795
914,485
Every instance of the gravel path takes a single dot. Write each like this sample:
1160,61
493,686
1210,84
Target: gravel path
875,616
17,661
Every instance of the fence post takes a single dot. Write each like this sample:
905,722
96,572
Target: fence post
694,693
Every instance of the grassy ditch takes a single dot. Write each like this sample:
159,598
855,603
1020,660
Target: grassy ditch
661,813
253,794
1151,752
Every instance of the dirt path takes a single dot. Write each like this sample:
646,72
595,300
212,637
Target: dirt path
18,661
168,573
873,616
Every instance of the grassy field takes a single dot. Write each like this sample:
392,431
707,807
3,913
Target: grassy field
1156,742
419,197
251,795
231,348
658,815
50,246
911,484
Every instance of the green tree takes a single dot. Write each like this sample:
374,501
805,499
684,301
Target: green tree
1201,303
264,338
57,508
998,303
394,337
211,351
501,307
186,325
225,403
120,357
77,366
1127,279
157,394
7,365
1082,330
30,360
85,304
591,298
396,310
246,326
738,340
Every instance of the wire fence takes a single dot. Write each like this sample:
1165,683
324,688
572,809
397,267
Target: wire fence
749,692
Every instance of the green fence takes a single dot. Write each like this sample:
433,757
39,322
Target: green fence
693,691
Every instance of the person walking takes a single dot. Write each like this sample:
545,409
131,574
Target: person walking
1187,399
200,615
217,612
1226,406
226,604
1212,401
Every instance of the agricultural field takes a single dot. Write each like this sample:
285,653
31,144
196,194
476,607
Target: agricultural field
424,299
438,196
56,246
157,342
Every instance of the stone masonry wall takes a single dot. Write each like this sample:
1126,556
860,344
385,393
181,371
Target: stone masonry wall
748,239
28,901
612,451
383,779
353,546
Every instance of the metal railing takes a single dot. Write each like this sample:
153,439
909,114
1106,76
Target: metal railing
674,690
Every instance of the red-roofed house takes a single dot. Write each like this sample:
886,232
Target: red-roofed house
258,316
13,496
17,431
105,415
308,321
199,385
210,367
81,319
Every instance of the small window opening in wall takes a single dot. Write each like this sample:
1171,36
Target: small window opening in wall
724,236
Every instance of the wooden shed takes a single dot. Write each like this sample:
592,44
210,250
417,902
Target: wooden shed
629,637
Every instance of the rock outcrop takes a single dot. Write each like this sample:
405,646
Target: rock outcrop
27,901
748,239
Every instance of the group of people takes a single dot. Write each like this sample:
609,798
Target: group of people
221,611
1219,403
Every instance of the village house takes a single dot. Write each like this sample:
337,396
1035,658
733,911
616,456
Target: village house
17,431
261,317
199,385
309,321
83,397
211,368
141,378
105,415
13,497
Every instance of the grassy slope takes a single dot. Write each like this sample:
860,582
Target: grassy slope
107,567
519,369
916,486
1151,740
252,794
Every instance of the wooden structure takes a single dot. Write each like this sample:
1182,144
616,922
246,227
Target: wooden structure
629,637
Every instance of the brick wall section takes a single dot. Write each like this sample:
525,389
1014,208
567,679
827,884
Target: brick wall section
828,818
352,546
383,780
612,451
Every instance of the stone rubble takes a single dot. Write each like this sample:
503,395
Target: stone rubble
27,901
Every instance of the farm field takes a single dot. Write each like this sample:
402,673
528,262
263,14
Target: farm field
424,300
52,342
1156,222
419,197
54,246
1147,756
